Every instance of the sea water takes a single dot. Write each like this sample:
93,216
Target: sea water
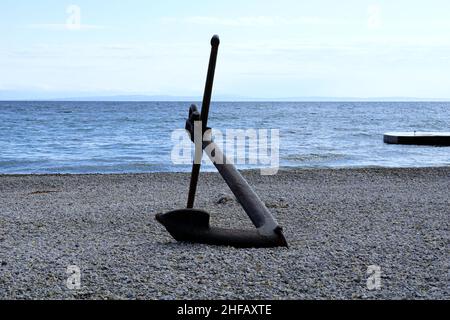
133,137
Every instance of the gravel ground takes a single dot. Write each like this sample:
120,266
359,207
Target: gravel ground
337,222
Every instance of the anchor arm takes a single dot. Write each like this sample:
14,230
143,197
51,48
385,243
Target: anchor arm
256,210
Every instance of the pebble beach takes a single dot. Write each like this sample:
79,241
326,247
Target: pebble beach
339,223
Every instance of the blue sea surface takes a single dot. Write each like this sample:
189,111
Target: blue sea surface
133,137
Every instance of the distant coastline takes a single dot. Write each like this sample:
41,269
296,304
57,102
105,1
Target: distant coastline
218,98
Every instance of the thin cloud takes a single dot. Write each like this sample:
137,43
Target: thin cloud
256,21
63,26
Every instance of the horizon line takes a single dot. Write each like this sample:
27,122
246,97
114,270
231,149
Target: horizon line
221,98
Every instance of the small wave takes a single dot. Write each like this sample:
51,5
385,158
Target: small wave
315,157
98,168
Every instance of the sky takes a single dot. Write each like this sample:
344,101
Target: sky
269,49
